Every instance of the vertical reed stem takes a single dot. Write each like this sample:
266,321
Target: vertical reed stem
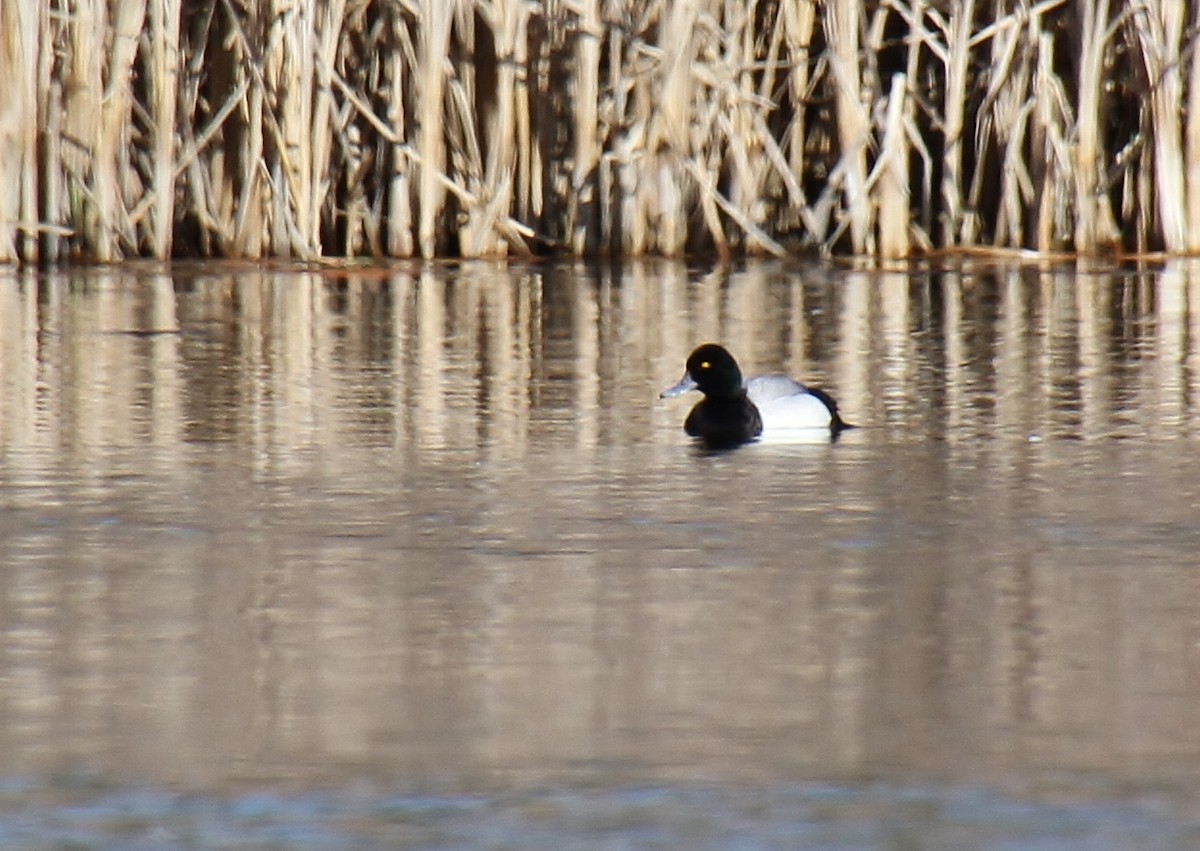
1159,25
894,205
957,80
165,61
1192,142
399,205
582,225
435,45
317,140
1090,232
843,22
18,132
799,22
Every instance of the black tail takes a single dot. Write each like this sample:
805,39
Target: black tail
837,424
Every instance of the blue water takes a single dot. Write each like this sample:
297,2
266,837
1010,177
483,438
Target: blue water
846,818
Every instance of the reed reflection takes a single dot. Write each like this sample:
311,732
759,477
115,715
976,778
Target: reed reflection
433,518
439,356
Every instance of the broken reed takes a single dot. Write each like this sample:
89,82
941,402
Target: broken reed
313,128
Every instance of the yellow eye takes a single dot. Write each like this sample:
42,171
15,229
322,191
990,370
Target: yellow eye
706,365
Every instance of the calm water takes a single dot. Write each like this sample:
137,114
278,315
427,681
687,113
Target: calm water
416,557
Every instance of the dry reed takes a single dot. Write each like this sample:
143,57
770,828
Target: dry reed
487,127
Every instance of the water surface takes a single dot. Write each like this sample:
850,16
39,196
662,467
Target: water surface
415,556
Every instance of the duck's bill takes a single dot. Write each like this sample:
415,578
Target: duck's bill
685,384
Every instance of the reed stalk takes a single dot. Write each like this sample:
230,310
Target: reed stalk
1090,219
957,50
500,161
247,225
894,206
289,81
18,124
1192,152
583,207
1051,172
399,226
669,143
1159,27
111,167
165,66
843,23
81,73
434,46
799,20
303,128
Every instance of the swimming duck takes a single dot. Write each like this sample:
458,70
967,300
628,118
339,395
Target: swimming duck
734,411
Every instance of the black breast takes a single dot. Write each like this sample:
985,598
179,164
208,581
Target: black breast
724,423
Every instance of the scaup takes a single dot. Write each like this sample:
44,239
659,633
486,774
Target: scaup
734,411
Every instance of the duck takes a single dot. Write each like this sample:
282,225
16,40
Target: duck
736,411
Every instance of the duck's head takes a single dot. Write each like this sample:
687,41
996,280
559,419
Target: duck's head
712,371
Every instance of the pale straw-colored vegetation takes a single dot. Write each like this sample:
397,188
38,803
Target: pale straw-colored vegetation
392,128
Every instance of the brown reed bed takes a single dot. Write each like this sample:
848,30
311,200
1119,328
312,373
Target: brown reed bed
392,128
